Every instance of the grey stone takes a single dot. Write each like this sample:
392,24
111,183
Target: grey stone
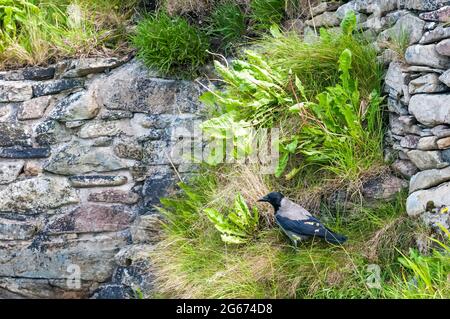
427,143
51,132
97,181
439,15
324,6
441,131
424,5
396,106
147,229
77,158
326,19
383,187
426,55
128,148
435,35
34,108
428,83
417,202
109,115
114,196
429,178
409,141
431,110
15,91
56,86
83,67
51,259
78,106
445,78
443,47
9,171
36,194
396,77
427,159
410,25
130,88
12,229
417,68
95,129
13,134
354,6
404,168
25,153
31,74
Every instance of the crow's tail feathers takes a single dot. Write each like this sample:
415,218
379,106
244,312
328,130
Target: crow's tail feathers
334,238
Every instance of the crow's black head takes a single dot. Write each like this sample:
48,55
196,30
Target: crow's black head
273,198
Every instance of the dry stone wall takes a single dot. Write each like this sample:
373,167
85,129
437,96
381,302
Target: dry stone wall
84,151
83,158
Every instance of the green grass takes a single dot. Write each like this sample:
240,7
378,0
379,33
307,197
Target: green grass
171,45
193,262
315,62
265,13
43,31
227,22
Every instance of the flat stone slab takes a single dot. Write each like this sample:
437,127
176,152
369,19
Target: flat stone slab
97,181
431,109
418,201
14,134
426,55
114,196
429,178
36,194
76,158
24,153
92,218
15,91
56,86
9,171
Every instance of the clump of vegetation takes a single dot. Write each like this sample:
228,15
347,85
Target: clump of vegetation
194,262
170,45
38,31
228,24
265,13
314,62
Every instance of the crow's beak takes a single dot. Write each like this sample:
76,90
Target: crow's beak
263,199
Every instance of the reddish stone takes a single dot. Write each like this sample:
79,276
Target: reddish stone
93,219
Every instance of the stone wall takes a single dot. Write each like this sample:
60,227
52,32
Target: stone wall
85,151
83,157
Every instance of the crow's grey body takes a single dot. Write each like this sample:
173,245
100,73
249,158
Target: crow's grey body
297,223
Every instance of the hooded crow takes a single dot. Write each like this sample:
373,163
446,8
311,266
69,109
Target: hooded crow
297,223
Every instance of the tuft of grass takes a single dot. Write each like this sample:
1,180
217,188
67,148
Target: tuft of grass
170,45
315,62
43,31
265,13
228,23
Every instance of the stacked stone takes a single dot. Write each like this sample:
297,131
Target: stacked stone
84,154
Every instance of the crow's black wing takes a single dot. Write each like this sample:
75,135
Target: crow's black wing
310,227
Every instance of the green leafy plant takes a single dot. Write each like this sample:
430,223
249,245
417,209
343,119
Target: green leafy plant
227,22
265,13
13,14
342,128
171,45
239,225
